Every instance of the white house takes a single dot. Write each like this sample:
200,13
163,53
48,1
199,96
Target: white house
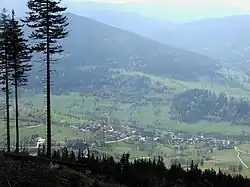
40,141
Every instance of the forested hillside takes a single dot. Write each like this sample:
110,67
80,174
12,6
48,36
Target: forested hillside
96,44
195,105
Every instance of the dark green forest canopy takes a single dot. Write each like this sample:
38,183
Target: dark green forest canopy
94,79
92,43
121,171
198,104
95,43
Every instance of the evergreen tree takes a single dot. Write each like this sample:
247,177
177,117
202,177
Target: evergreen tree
20,56
48,23
5,67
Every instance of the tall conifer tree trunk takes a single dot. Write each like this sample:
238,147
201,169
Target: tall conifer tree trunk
17,114
19,56
49,133
5,68
48,23
7,103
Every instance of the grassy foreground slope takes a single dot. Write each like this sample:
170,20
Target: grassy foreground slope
29,173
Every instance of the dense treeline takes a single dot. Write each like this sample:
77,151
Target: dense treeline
197,104
93,78
140,172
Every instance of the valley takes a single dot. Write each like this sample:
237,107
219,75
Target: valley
115,92
134,116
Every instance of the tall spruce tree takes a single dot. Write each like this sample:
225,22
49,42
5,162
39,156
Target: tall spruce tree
20,56
5,67
49,25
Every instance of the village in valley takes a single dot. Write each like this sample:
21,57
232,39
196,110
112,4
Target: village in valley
175,146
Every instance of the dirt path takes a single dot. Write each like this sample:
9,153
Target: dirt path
238,156
34,126
115,141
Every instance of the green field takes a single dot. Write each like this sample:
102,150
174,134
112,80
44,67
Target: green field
220,159
76,108
83,106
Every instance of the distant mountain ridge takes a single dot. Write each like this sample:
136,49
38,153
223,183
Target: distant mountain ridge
95,47
95,43
130,21
226,39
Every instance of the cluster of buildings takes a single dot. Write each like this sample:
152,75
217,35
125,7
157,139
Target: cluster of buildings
86,127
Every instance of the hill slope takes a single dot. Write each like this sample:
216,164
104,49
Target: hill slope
225,39
96,44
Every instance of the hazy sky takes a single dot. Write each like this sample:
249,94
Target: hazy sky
196,4
180,10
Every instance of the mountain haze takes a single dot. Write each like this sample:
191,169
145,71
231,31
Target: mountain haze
226,39
94,43
130,21
93,48
186,11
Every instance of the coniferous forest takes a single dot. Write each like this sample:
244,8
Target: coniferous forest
197,104
105,171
